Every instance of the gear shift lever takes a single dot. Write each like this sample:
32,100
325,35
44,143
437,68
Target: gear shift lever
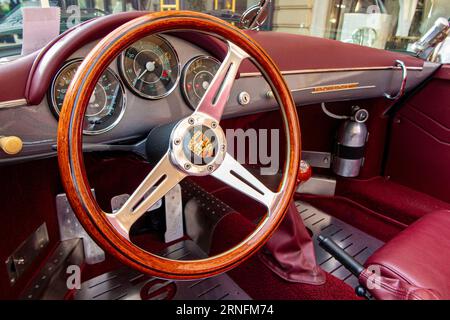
289,253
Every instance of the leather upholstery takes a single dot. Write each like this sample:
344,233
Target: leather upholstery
290,252
391,199
416,263
384,288
13,77
419,150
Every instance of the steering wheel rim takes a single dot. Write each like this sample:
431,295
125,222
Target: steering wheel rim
70,156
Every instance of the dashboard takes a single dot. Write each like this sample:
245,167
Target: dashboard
157,80
150,69
162,78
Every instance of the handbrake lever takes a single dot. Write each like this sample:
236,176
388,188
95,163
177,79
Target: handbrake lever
350,263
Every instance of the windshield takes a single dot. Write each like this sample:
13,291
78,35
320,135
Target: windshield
383,24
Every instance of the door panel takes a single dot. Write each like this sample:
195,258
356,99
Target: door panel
419,153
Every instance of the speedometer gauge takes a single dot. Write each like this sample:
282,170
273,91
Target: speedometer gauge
197,76
106,105
150,67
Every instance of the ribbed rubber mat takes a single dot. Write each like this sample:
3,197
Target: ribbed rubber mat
358,244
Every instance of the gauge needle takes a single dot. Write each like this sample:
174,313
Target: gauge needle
142,74
149,67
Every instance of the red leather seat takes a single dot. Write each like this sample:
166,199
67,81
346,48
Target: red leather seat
417,261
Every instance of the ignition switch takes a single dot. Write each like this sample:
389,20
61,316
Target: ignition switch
244,98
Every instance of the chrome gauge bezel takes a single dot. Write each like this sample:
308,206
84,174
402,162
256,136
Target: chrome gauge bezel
56,112
120,62
183,76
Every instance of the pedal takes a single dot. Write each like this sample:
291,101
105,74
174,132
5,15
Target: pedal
173,212
118,201
174,215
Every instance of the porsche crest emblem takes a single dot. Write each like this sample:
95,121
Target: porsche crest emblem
201,145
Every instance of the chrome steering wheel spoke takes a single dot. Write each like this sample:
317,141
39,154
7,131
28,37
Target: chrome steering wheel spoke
218,92
235,175
156,185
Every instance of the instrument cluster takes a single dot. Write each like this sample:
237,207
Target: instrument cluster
149,68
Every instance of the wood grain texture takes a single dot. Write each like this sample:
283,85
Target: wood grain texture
71,157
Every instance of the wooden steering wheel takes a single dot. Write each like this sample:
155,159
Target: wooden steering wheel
111,231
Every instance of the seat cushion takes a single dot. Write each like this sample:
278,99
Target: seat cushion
420,255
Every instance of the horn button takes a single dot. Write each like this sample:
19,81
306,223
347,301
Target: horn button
198,145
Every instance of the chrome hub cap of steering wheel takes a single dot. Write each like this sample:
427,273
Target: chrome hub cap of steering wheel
198,145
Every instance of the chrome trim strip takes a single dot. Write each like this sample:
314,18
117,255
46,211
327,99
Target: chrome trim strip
339,87
346,89
13,103
306,71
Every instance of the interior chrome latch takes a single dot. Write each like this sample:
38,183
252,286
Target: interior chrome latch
401,92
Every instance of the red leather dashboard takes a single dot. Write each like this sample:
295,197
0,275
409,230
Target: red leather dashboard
29,77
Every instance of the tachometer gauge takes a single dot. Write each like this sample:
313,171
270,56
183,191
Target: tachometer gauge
197,76
150,67
106,105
